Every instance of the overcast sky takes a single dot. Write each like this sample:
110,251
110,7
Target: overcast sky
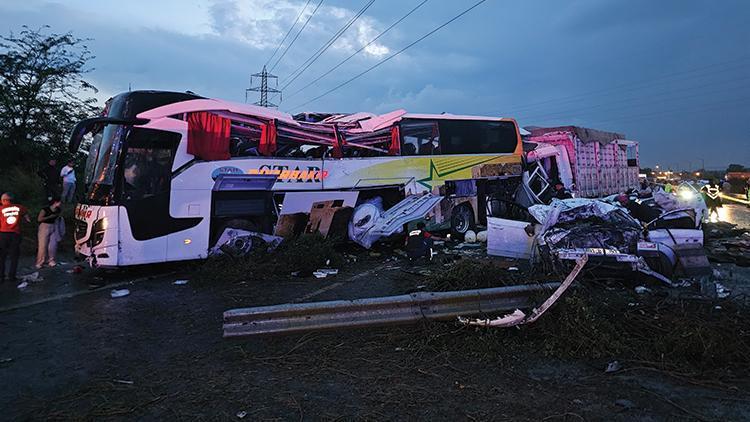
672,74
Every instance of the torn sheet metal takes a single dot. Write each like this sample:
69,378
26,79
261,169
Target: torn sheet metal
235,242
613,258
369,223
569,210
518,317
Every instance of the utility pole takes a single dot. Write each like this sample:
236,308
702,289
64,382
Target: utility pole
263,88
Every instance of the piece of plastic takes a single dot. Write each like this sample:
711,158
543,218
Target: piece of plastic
119,293
325,272
181,282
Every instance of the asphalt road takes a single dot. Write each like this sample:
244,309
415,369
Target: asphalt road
70,351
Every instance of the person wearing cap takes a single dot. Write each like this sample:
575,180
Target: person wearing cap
10,234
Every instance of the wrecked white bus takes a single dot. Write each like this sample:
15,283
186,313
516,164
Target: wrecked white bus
168,172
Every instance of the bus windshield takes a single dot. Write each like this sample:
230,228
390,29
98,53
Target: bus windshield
101,163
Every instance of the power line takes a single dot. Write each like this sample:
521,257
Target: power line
297,36
287,33
627,85
358,51
648,100
720,105
307,63
391,56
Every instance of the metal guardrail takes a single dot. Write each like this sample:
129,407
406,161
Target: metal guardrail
378,311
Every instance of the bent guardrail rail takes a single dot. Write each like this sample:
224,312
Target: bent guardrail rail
378,311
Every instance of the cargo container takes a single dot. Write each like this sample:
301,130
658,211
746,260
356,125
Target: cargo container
591,163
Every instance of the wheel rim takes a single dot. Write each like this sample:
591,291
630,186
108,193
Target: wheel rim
462,222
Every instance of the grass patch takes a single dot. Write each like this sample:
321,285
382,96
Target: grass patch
594,324
467,274
302,255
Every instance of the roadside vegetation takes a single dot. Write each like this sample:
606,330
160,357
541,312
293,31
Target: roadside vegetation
299,256
605,322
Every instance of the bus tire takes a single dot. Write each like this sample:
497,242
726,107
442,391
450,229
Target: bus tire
462,219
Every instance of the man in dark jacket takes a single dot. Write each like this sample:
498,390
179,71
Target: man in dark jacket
50,179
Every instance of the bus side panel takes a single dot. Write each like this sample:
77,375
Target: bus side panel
418,173
134,252
299,174
191,243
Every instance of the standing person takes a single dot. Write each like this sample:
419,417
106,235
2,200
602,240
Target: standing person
68,176
50,179
10,233
50,232
747,192
668,187
712,196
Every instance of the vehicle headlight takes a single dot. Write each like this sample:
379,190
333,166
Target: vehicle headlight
686,194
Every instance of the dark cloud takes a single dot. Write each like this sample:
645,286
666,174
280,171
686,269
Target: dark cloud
670,74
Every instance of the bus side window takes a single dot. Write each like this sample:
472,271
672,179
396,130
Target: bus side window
244,140
420,138
478,137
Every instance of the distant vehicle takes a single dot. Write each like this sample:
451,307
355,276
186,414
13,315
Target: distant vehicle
168,172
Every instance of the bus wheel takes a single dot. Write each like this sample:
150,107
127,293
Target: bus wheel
462,219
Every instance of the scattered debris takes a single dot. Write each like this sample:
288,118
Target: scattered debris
181,282
470,236
613,366
241,414
33,277
6,360
119,293
23,285
642,290
727,244
126,382
235,243
325,272
721,291
509,320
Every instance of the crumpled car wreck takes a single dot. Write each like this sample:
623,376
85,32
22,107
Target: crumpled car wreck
615,241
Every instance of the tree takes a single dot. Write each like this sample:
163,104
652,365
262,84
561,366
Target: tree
735,167
42,93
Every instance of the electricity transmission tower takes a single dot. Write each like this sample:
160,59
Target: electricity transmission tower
263,88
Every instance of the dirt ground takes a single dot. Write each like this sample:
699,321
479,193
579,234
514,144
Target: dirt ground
70,352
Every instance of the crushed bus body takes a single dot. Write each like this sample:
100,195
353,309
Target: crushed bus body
168,173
